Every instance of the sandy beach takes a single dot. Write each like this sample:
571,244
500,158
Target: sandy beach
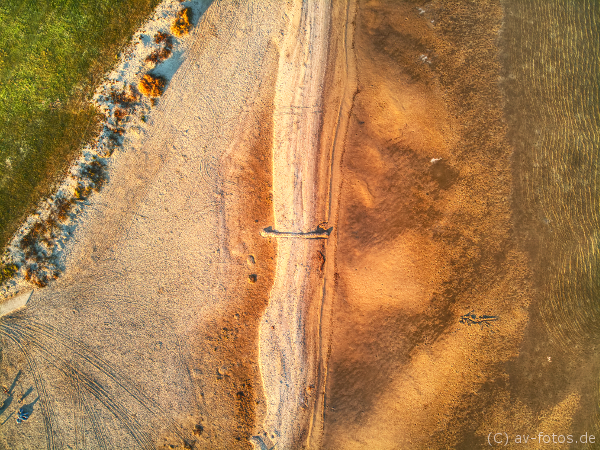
149,337
332,232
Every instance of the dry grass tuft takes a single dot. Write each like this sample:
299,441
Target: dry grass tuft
62,206
82,191
158,56
91,178
183,22
124,98
95,173
119,114
152,85
165,40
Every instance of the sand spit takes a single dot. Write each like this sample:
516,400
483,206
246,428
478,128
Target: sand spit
289,329
148,339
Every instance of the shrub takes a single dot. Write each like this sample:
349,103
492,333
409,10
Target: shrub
82,191
164,38
94,173
152,85
158,56
124,98
119,114
62,207
36,276
182,24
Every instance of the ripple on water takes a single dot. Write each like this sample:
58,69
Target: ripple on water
553,105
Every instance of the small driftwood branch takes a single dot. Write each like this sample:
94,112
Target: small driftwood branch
319,233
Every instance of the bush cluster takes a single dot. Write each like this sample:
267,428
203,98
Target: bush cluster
37,247
183,23
124,103
39,243
165,41
152,85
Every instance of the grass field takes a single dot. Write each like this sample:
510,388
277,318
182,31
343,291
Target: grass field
53,54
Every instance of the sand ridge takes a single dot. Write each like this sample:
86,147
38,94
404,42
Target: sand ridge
289,330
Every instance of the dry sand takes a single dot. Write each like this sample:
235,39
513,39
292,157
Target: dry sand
149,337
289,329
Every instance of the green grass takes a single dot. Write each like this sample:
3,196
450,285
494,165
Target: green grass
53,54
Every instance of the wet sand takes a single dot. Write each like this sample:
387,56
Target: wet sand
431,228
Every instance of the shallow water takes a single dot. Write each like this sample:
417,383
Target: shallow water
550,78
551,65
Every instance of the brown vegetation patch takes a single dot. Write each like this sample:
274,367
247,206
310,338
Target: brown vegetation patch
158,56
152,85
182,24
125,98
95,173
165,40
39,269
119,114
62,207
37,275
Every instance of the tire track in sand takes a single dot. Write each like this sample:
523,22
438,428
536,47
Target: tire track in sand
35,332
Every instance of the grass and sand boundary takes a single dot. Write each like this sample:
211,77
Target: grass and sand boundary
120,104
53,56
